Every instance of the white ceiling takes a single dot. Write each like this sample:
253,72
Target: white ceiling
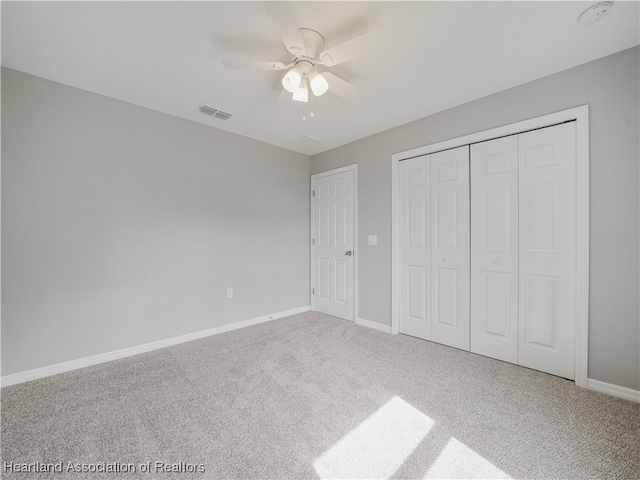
430,56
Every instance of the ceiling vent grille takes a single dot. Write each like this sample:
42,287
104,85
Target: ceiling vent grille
213,112
222,115
305,141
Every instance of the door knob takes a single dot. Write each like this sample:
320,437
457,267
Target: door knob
495,261
348,253
445,259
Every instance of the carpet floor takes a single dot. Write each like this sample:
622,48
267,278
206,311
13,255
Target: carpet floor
312,396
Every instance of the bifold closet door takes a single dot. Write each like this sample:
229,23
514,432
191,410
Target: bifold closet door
488,248
450,247
434,247
547,261
494,248
414,205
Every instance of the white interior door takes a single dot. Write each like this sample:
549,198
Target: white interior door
333,244
494,248
450,247
547,204
414,197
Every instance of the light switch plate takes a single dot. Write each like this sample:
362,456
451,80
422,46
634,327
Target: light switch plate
372,240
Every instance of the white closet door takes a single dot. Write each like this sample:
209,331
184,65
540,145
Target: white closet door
494,248
450,247
414,252
547,204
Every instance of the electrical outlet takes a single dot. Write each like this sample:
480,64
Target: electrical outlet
230,292
372,240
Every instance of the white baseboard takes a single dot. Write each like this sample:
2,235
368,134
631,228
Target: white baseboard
42,372
614,390
375,325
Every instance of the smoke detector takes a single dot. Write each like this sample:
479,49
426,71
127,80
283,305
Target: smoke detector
595,13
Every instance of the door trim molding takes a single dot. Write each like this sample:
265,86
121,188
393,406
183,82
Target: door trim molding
354,169
581,116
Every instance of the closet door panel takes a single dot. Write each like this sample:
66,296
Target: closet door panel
415,244
494,248
450,247
547,162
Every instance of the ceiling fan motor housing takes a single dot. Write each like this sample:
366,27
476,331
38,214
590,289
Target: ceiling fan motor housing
305,66
313,43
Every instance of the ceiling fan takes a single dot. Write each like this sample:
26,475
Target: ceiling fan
307,47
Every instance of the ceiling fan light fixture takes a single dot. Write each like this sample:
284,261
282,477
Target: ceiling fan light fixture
319,85
302,93
292,80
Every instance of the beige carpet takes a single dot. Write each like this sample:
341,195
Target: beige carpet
313,396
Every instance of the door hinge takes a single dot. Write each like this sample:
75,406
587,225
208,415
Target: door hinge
314,193
313,291
313,241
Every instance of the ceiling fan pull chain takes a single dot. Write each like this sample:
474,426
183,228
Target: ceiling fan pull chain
310,105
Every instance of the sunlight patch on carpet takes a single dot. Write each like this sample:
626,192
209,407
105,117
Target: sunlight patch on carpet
458,461
377,447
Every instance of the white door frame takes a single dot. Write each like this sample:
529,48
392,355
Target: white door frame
354,169
581,116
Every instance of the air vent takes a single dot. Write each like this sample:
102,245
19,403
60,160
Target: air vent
213,112
206,110
305,141
222,115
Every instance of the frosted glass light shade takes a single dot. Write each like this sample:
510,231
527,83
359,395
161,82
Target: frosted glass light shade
318,83
291,81
302,93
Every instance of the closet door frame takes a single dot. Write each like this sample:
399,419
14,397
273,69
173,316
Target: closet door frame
581,116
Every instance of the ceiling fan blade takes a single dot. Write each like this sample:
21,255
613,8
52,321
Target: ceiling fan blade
340,87
253,65
282,17
354,48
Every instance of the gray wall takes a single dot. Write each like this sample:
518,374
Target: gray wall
122,226
611,87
